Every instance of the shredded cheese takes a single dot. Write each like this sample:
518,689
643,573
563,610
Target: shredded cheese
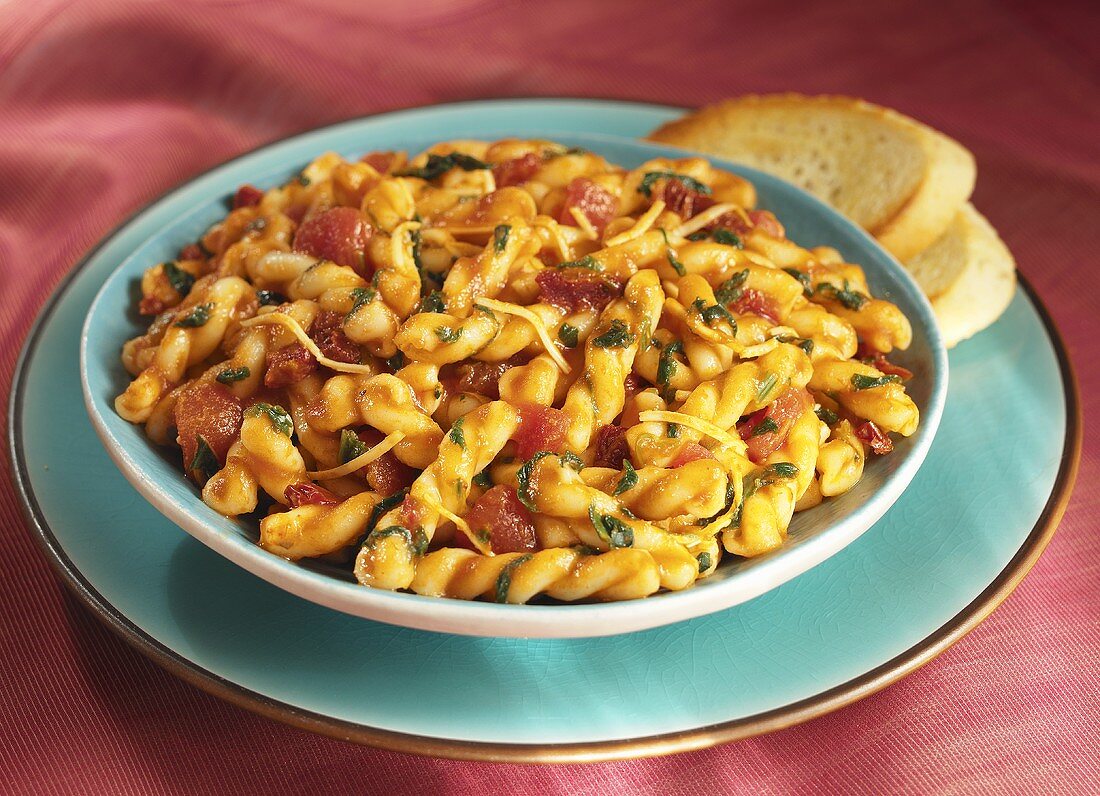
641,226
284,320
698,222
584,223
704,427
362,460
540,328
758,350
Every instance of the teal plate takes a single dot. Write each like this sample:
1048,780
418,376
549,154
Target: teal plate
951,548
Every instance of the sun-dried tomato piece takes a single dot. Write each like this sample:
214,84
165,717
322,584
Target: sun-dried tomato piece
765,221
288,365
691,452
341,235
412,516
508,523
327,331
586,196
766,430
877,360
308,494
247,196
682,200
540,429
482,378
758,303
386,474
152,305
208,410
516,171
573,289
878,440
192,251
611,447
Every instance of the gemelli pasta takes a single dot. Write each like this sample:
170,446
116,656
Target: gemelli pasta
511,370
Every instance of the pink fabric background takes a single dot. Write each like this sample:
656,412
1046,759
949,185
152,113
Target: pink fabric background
105,105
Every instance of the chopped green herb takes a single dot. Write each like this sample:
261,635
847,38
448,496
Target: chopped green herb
257,224
803,279
384,505
852,299
618,335
504,579
230,375
456,436
523,479
438,165
727,238
714,313
672,431
396,362
705,561
198,316
700,234
667,365
351,447
448,335
204,461
733,288
861,382
570,459
588,261
781,470
611,529
414,239
765,387
484,535
180,280
645,187
629,479
568,334
765,426
433,302
268,298
417,542
500,237
361,296
303,180
278,416
483,480
827,416
677,266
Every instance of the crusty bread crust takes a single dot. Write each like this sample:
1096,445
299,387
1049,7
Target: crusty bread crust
899,179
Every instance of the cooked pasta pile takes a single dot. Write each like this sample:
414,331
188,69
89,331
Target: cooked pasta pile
507,370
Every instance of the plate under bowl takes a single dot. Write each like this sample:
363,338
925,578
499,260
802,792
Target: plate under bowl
814,535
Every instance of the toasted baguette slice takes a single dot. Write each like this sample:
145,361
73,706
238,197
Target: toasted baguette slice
900,180
968,273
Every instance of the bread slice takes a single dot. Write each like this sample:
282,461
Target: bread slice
969,275
900,180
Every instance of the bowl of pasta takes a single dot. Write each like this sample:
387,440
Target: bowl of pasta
518,387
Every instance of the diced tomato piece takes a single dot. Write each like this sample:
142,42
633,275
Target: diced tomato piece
878,360
288,365
327,331
386,475
379,161
634,384
308,494
758,303
596,203
781,413
765,221
681,200
611,447
192,252
152,305
247,196
517,170
731,221
573,289
540,429
340,235
411,512
507,521
208,410
878,440
691,452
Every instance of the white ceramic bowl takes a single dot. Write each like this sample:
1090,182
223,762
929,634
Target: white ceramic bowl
182,215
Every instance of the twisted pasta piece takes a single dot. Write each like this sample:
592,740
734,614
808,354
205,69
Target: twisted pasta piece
316,530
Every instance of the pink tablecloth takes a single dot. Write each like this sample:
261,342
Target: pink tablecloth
105,105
